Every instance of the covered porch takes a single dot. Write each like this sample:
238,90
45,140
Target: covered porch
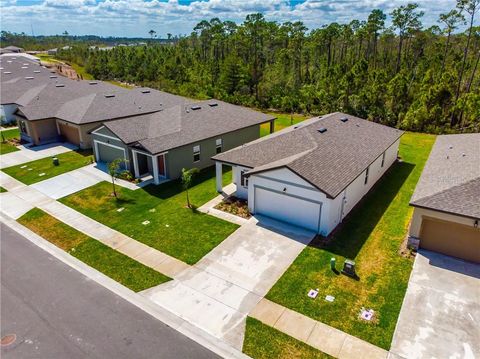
239,185
146,165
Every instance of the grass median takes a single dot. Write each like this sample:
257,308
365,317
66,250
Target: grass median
115,265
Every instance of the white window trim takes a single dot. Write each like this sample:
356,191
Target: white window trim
196,153
243,179
218,144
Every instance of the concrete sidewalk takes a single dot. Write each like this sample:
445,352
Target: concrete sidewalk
316,334
21,198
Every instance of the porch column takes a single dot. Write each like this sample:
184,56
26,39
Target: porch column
272,126
156,178
218,176
135,164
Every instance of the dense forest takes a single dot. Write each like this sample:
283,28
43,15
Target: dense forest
405,75
41,43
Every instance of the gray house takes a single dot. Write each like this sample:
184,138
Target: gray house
183,136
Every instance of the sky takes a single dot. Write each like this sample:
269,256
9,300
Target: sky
135,18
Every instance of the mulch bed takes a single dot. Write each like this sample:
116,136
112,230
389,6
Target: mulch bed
235,206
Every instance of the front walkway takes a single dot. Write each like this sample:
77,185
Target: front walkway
219,291
210,209
440,314
21,198
27,154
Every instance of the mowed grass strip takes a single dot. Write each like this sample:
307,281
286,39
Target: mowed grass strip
264,342
42,169
173,228
282,121
115,265
5,146
371,235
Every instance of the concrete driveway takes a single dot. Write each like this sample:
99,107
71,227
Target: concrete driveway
219,291
27,154
440,315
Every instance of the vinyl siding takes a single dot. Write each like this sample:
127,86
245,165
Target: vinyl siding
182,157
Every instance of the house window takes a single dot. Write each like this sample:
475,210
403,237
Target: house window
196,153
243,179
23,127
218,145
383,159
366,175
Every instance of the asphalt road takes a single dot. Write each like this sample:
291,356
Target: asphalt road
56,312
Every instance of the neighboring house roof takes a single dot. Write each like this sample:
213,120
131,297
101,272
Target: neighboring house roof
180,125
13,49
450,181
43,94
330,160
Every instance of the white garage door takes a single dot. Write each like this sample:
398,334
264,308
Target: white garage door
287,208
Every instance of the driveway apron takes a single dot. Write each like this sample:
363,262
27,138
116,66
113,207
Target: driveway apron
441,311
219,291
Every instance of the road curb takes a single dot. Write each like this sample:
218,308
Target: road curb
182,326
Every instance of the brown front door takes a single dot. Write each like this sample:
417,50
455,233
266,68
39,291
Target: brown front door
451,238
161,165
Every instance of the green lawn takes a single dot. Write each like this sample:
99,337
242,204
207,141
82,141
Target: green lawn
117,266
173,228
2,190
283,120
39,170
371,235
6,147
264,342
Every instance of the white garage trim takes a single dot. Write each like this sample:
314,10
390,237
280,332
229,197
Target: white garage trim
320,204
96,143
287,182
102,135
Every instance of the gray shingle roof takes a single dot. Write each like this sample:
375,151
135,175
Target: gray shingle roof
330,161
181,125
450,181
36,90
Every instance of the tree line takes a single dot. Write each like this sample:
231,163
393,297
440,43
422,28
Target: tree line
405,75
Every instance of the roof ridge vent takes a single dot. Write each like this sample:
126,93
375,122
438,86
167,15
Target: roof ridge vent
196,107
109,95
24,67
322,130
29,78
36,71
344,119
53,76
93,83
146,91
59,85
213,104
7,72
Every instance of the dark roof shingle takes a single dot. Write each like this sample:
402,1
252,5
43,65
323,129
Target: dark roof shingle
450,181
330,160
180,125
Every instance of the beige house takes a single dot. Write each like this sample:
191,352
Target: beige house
447,199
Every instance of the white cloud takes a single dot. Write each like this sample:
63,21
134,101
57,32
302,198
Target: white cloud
136,17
